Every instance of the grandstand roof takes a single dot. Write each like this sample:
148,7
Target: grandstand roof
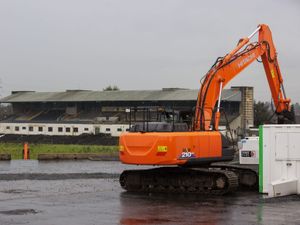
168,94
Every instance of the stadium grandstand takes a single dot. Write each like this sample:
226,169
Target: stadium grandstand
77,112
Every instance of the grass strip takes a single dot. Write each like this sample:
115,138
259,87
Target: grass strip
16,150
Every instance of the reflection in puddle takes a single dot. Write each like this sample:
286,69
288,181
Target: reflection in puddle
172,209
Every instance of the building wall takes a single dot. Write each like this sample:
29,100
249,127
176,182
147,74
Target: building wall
61,129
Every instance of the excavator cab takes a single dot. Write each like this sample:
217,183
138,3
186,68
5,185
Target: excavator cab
157,119
157,139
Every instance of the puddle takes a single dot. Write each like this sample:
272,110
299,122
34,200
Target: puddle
134,221
19,212
17,191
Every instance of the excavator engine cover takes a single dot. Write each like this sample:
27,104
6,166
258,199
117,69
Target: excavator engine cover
174,148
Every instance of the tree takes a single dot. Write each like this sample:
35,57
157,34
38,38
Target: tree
5,111
111,88
297,108
262,113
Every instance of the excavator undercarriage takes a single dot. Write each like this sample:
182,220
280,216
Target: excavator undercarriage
215,180
180,180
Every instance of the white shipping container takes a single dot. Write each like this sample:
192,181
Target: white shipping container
279,166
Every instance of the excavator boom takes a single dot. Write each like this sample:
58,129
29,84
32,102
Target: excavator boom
229,66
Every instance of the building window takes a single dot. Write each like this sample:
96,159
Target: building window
60,129
50,129
30,128
86,129
107,129
23,128
119,129
75,129
8,127
17,128
40,129
68,129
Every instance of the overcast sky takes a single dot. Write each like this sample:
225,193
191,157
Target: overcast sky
67,44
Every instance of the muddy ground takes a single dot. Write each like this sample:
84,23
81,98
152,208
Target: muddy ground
100,200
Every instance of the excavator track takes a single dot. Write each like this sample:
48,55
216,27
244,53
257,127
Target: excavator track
180,180
248,177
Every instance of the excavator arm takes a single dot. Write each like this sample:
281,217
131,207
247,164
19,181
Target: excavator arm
229,66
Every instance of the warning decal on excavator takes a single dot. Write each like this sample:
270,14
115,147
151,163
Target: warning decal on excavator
162,148
273,74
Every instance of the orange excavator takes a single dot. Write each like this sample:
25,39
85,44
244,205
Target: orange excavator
188,155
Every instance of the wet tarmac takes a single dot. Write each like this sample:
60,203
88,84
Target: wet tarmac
102,201
64,166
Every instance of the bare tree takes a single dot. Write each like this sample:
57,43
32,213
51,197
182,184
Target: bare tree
111,88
